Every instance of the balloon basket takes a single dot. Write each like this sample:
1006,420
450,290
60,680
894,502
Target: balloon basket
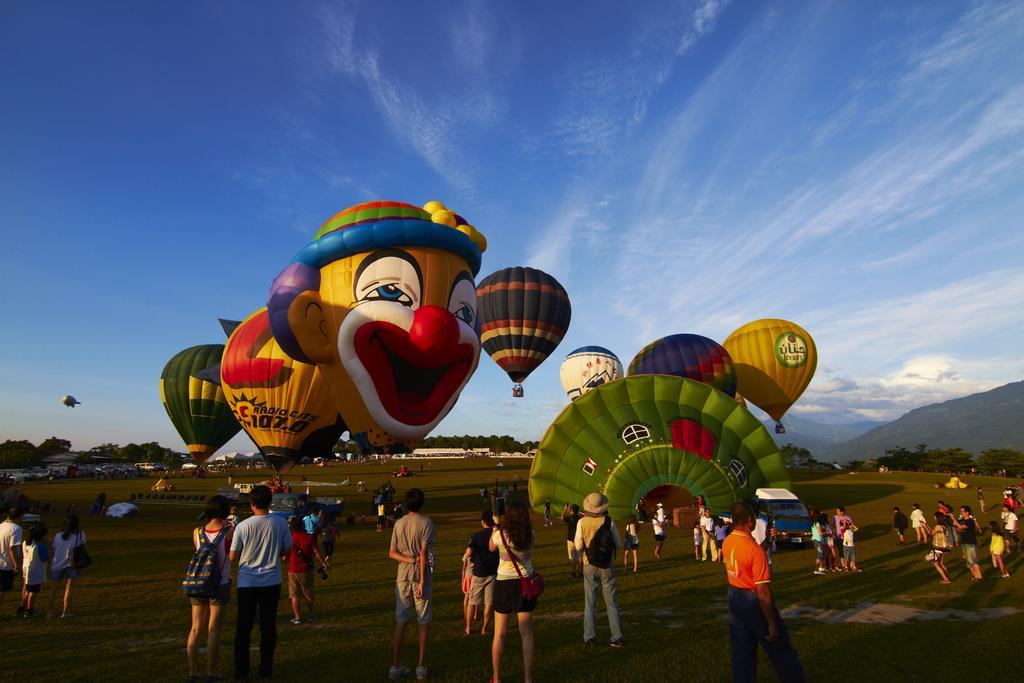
779,429
517,391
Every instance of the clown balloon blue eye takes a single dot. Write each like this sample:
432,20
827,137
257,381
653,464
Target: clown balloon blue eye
390,293
465,314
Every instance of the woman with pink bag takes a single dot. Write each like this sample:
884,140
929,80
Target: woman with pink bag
512,539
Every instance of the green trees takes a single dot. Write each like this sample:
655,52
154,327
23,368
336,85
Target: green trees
993,460
494,443
17,454
922,458
794,456
948,460
53,446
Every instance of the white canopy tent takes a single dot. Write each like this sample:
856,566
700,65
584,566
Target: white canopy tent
237,456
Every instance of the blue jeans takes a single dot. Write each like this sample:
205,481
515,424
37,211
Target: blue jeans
747,628
592,576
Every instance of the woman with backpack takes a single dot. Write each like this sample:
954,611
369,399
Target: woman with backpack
512,540
940,546
211,563
62,563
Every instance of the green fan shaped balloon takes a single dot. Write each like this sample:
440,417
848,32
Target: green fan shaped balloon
196,406
630,436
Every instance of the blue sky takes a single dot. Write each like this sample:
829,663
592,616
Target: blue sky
855,167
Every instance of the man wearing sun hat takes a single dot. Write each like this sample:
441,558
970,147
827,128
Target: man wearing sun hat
597,539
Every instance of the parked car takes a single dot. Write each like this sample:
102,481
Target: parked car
36,474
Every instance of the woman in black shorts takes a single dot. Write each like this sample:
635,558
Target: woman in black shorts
514,534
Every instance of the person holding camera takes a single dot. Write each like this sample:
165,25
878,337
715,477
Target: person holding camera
300,568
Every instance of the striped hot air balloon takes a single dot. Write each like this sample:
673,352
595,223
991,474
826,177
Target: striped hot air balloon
687,355
524,314
197,406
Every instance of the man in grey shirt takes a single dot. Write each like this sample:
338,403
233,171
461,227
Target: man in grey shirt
258,545
411,546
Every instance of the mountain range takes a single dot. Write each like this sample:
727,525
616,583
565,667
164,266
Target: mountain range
990,419
817,437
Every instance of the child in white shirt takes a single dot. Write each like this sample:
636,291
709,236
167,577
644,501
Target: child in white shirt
849,551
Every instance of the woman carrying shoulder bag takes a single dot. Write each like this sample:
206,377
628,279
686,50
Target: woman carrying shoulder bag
62,563
512,540
940,546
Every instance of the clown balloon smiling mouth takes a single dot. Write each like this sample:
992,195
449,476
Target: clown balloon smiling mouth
384,303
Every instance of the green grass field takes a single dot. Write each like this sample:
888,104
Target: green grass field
131,618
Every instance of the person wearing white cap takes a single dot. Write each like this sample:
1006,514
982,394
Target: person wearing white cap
659,522
598,539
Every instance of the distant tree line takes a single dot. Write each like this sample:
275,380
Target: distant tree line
494,443
18,454
922,458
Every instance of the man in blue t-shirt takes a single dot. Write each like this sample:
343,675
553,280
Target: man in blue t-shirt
478,583
258,545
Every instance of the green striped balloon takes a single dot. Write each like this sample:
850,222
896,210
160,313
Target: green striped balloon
633,435
197,407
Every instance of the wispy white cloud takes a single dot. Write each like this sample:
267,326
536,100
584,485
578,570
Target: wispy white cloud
968,311
582,222
431,123
920,380
700,21
955,157
610,99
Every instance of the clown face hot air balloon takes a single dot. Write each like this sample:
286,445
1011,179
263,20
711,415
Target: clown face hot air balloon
383,302
588,367
282,404
655,436
687,355
775,361
197,407
525,313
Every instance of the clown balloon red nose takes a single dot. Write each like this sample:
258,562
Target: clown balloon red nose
433,329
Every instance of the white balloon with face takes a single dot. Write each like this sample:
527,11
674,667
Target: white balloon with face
587,368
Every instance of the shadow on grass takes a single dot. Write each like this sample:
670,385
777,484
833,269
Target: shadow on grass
828,496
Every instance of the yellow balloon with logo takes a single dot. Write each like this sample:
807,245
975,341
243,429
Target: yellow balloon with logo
283,405
775,361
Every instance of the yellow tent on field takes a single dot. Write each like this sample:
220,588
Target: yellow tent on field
955,483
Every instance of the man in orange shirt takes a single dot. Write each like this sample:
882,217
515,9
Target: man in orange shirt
753,618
